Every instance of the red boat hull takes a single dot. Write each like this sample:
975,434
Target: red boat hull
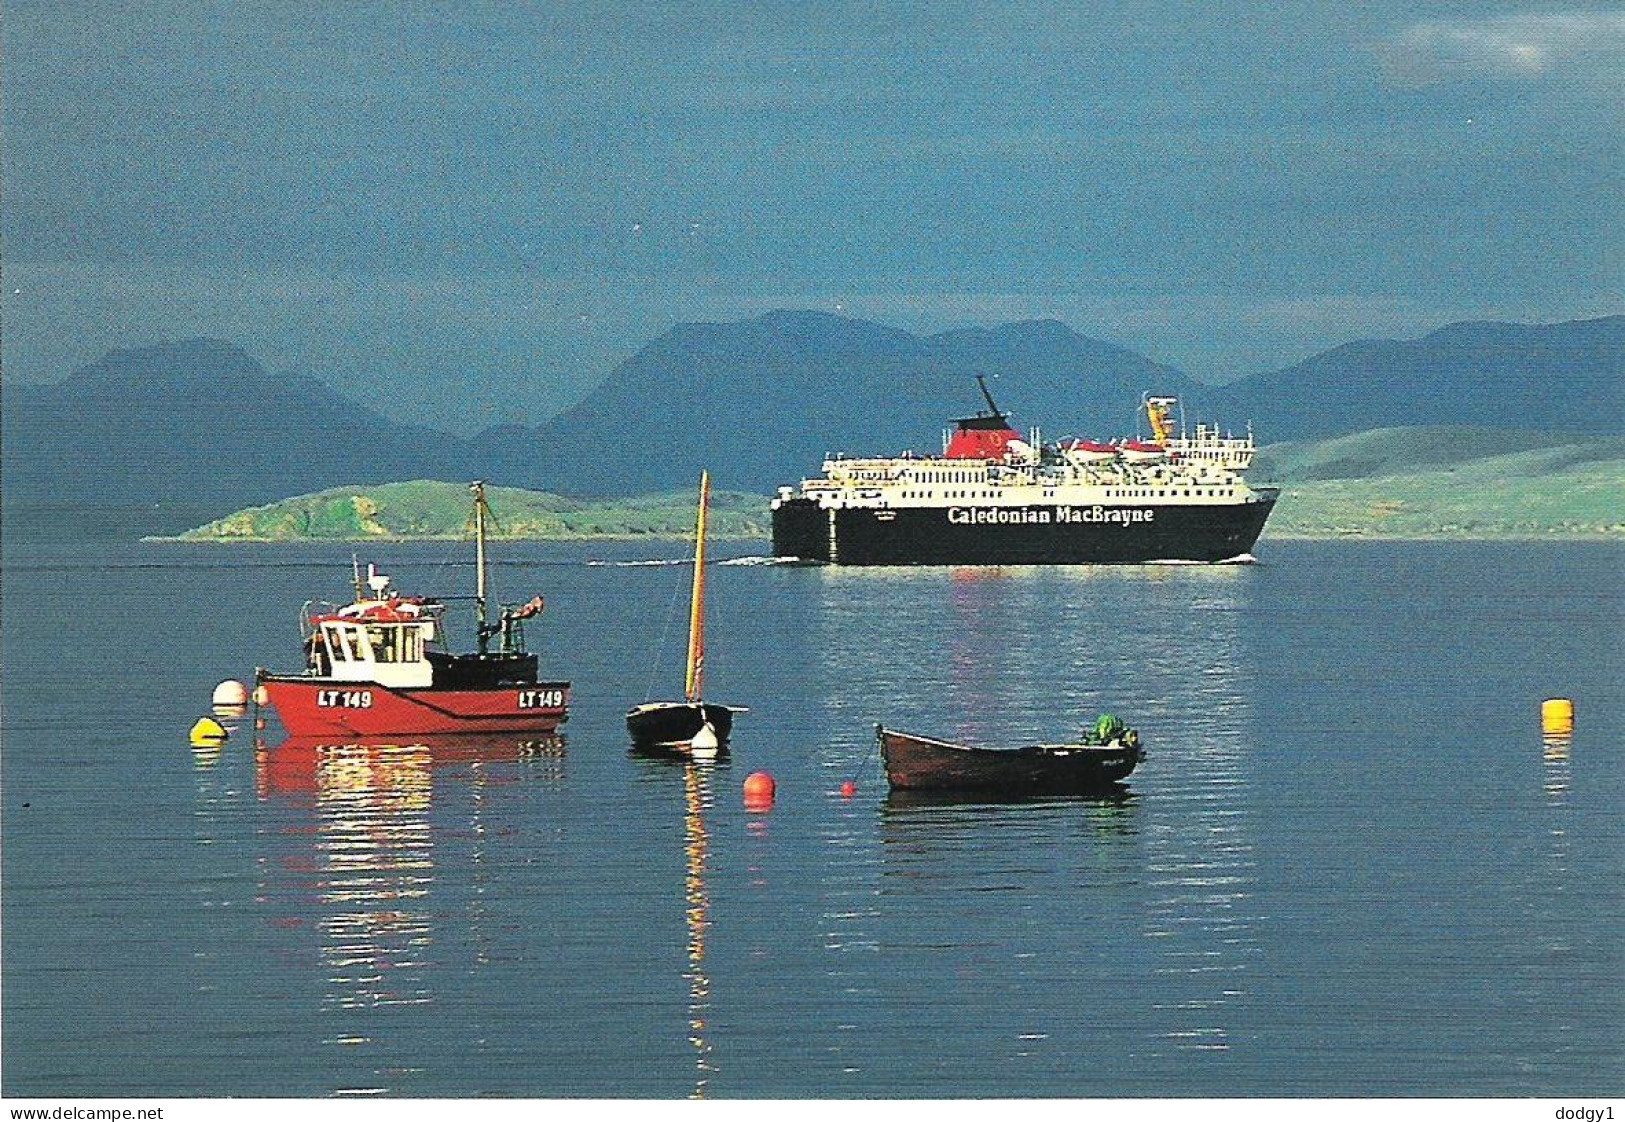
323,707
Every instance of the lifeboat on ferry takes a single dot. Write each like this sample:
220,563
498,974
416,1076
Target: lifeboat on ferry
1088,451
1143,452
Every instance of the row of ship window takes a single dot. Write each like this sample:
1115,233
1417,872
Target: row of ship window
1129,493
1147,493
954,494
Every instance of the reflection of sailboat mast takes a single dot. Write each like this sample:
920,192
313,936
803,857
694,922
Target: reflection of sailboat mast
696,796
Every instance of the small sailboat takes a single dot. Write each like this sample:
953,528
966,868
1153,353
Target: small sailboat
692,725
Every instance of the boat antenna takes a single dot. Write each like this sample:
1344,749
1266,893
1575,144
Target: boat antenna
480,511
355,574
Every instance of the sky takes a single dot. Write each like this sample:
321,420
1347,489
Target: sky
465,214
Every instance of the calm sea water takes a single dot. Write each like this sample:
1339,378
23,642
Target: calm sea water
1350,865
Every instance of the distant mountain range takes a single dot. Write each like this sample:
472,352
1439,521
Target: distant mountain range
200,425
762,401
1561,376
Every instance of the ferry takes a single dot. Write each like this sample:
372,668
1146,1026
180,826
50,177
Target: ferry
994,497
379,666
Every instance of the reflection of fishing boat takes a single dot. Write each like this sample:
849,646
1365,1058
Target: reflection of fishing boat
299,763
378,666
923,763
693,724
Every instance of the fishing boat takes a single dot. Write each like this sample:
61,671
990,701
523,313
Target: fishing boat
924,763
379,665
692,725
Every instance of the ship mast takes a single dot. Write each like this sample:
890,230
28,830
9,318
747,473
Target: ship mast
480,510
696,606
991,404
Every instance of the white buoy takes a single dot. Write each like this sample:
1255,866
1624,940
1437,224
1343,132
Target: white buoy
231,692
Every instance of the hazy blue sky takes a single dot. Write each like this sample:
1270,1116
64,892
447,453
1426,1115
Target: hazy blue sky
476,210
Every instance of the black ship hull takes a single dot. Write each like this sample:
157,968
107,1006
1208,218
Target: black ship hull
1018,535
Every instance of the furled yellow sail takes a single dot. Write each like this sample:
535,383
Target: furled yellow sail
696,607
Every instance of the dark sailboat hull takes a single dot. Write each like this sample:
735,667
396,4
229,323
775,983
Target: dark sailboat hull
672,724
1018,535
922,763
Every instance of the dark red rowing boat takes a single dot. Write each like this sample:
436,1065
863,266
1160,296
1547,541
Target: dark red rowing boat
923,763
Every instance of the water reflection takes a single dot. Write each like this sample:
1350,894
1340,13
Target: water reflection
1556,749
369,863
697,799
1115,806
1556,782
1009,656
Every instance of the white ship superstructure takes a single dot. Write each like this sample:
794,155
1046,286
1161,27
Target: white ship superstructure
1203,467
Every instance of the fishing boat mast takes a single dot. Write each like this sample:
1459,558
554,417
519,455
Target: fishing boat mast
480,511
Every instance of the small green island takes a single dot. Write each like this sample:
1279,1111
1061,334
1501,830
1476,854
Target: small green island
1420,483
429,509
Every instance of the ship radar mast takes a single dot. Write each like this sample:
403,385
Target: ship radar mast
1160,412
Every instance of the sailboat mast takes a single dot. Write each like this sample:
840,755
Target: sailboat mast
696,607
478,487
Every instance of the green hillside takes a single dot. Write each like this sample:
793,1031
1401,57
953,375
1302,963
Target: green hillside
1399,451
1447,483
430,509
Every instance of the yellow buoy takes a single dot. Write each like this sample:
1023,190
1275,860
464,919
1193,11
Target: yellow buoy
207,732
1557,715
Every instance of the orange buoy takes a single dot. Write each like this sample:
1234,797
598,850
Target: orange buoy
848,789
759,790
